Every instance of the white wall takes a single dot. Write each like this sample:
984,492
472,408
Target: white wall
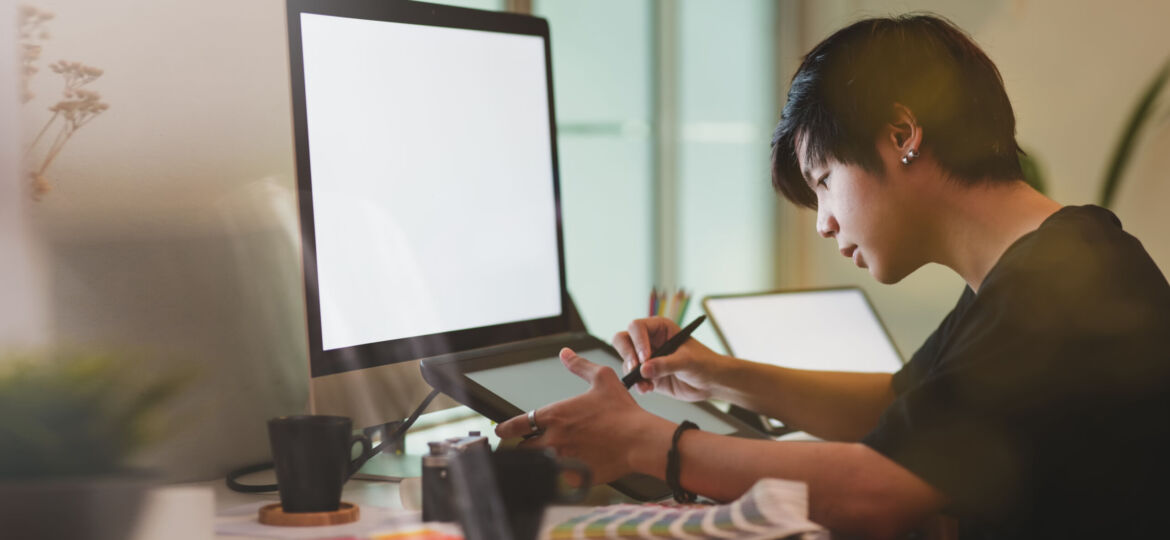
24,320
1073,71
199,106
172,224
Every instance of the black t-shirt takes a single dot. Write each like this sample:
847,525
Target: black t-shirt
1041,405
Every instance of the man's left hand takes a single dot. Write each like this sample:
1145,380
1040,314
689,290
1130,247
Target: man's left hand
600,427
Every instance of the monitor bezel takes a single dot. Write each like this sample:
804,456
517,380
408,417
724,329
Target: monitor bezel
327,362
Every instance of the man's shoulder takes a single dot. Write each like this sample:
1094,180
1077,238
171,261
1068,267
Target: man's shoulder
1075,233
1078,248
1078,277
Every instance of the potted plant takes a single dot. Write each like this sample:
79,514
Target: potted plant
1141,115
1143,112
68,424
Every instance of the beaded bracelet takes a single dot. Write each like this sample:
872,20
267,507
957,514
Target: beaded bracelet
673,465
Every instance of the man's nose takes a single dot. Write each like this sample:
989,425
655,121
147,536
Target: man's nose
826,223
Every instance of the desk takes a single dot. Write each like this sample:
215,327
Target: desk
195,511
192,511
379,501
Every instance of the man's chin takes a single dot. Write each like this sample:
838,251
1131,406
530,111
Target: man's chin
885,276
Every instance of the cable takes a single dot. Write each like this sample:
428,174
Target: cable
250,488
361,460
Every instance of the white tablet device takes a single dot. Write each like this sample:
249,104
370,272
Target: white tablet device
822,329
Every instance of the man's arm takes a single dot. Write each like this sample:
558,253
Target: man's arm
831,405
852,488
838,406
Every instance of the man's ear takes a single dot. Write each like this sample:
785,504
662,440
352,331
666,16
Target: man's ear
903,130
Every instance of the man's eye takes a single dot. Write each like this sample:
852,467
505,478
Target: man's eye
824,181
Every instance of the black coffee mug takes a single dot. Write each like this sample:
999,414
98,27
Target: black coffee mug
530,479
311,454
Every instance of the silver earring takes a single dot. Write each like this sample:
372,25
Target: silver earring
906,159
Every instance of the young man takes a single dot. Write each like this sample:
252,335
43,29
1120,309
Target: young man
1035,410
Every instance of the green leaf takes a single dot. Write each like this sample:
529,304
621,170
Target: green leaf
73,413
1129,137
1033,174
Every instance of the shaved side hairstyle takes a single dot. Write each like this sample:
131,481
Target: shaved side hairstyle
847,86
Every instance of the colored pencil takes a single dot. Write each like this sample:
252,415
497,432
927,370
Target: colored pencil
682,313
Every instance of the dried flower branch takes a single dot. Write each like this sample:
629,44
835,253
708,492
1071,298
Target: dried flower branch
32,34
79,106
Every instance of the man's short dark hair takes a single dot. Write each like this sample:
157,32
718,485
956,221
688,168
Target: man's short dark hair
846,88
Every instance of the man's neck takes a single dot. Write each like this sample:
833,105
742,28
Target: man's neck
978,224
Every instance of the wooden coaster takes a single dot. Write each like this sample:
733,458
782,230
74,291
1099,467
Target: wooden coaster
273,514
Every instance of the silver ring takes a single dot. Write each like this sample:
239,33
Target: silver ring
532,427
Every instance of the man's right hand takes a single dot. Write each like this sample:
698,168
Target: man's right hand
689,374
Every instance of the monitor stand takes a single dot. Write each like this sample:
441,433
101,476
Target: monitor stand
400,460
391,467
393,463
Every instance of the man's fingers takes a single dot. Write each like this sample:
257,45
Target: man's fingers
517,426
644,333
579,366
521,425
662,366
640,338
625,348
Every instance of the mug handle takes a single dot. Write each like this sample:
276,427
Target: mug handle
583,471
362,458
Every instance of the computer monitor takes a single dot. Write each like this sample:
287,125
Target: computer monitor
428,190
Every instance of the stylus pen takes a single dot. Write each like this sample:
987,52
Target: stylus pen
669,347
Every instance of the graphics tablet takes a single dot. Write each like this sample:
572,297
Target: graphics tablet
516,378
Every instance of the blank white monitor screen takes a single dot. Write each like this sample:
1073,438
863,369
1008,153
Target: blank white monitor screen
432,172
833,330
